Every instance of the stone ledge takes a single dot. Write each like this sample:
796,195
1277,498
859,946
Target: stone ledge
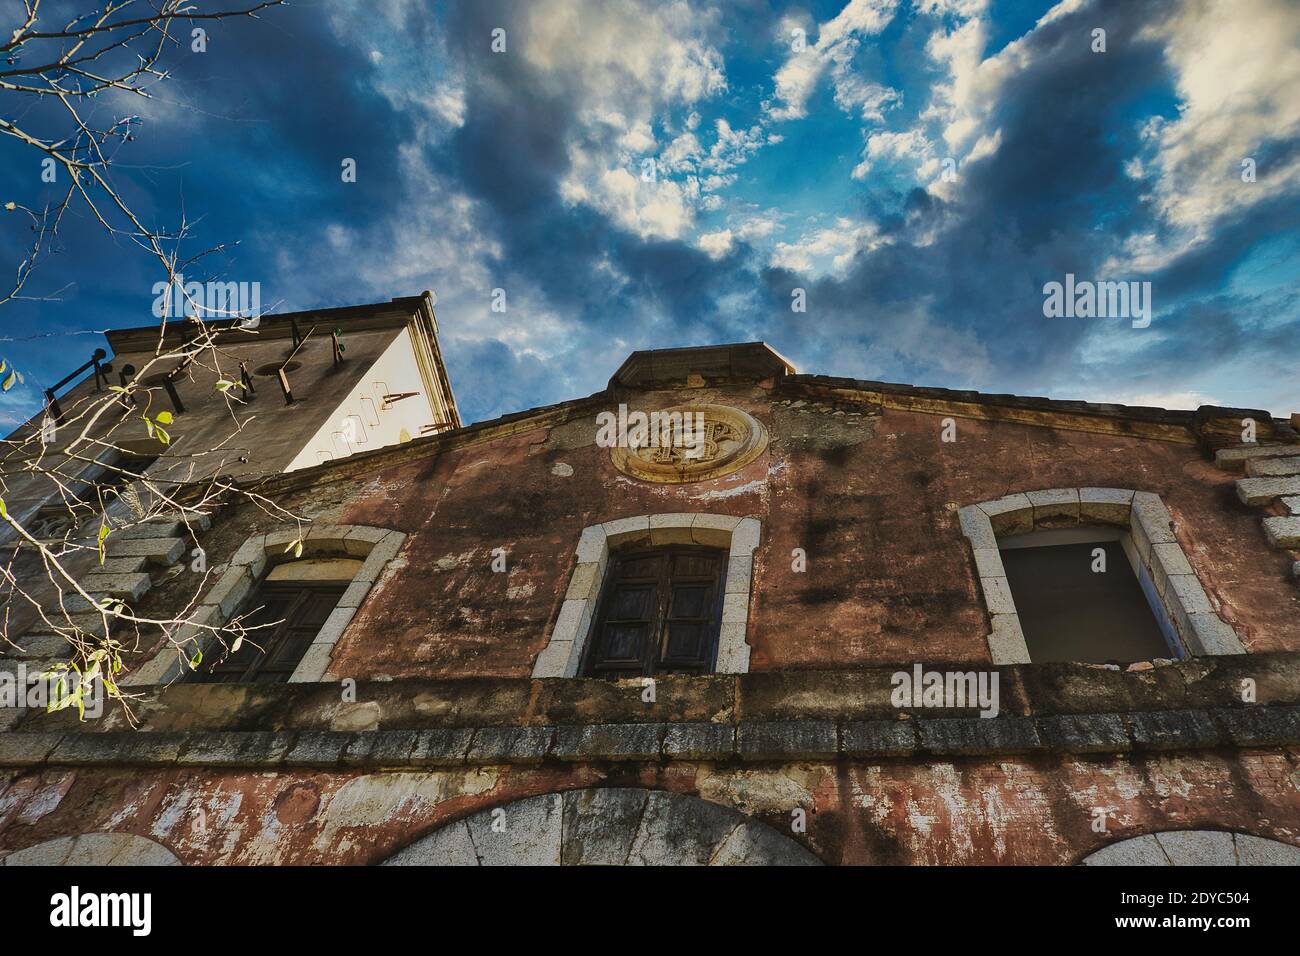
770,741
1037,690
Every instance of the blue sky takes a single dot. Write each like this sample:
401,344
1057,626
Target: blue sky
777,165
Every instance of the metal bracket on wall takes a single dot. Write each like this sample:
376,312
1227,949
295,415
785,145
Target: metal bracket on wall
280,372
393,398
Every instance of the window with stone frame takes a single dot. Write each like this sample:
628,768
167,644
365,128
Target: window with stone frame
1036,556
278,623
660,612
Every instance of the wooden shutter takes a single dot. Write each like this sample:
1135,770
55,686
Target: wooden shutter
660,613
269,655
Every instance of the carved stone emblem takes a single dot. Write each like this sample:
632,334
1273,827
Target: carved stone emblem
703,441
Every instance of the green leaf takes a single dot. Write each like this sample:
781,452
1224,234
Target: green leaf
148,426
4,512
8,383
196,660
103,533
222,385
163,418
295,547
236,644
162,435
11,206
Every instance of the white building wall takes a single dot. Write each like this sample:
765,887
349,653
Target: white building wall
361,422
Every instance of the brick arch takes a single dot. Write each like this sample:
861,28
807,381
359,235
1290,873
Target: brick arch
563,652
603,827
94,849
1155,553
249,564
1195,848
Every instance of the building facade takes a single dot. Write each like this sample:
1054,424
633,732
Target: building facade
720,612
258,398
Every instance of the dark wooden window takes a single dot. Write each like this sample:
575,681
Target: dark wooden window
296,611
659,613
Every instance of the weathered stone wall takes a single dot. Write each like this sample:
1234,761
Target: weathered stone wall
446,725
871,496
302,773
962,811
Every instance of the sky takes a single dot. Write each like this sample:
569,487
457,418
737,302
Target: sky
635,174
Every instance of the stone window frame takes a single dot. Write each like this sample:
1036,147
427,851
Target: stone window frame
562,655
248,567
1150,545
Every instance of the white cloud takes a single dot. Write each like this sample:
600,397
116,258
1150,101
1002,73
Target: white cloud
716,244
837,42
757,227
1237,69
626,52
892,146
733,146
634,65
1172,400
871,99
826,251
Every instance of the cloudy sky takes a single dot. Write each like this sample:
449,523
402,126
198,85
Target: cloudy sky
639,174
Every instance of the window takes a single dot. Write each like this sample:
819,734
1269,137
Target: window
339,565
660,613
1035,553
280,622
295,614
1079,599
568,651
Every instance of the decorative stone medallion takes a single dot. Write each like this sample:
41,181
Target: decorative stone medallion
715,440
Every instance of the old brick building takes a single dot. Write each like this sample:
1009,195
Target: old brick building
519,642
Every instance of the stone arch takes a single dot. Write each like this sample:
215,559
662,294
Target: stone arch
1153,549
1195,848
94,849
563,653
603,827
249,564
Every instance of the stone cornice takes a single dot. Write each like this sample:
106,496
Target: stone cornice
749,741
1025,690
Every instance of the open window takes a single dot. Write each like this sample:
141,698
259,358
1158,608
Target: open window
660,613
1079,598
1093,575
